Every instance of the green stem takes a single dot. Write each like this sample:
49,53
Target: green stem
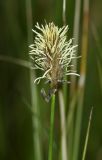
51,127
34,96
76,30
64,152
77,133
81,84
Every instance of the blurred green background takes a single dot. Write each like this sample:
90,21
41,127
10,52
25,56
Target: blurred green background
16,125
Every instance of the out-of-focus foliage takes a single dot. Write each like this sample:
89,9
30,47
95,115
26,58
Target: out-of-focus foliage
16,128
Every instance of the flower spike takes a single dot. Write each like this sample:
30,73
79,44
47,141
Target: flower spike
52,53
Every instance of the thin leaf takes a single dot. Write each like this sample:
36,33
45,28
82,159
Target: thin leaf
87,135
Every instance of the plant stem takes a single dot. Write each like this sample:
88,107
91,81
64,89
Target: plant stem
64,12
51,128
81,84
70,124
76,141
63,127
76,29
73,92
62,103
34,96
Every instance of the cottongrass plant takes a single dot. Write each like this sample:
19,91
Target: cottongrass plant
52,53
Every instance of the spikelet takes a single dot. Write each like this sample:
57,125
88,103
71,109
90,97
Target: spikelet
52,53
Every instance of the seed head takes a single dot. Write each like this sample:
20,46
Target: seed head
52,53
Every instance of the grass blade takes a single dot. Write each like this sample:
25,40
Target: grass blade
87,135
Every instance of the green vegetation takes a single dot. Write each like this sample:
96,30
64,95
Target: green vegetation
68,127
